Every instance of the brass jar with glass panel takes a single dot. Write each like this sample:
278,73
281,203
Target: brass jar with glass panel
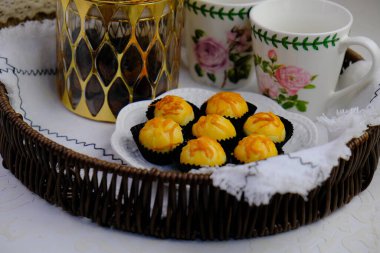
114,52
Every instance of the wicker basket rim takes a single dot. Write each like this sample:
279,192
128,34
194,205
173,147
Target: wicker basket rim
170,176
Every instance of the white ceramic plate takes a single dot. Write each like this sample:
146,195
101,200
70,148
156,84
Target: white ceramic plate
305,133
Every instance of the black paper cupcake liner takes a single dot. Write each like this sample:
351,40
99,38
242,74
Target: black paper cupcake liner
288,132
150,155
289,129
237,122
187,167
228,145
186,130
234,160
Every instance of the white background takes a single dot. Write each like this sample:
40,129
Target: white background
30,224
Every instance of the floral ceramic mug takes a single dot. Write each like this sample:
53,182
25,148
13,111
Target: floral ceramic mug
218,42
299,49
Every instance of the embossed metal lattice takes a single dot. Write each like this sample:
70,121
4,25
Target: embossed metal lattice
114,53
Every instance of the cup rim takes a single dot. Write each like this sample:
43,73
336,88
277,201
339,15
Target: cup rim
338,30
249,3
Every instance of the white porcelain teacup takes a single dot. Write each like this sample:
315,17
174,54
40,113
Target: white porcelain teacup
299,46
218,41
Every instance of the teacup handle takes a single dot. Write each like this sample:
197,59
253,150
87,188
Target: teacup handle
374,51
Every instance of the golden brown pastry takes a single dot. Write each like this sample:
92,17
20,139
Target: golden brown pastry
161,135
266,123
214,126
227,104
175,108
254,148
203,152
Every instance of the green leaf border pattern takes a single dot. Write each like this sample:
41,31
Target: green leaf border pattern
295,43
214,12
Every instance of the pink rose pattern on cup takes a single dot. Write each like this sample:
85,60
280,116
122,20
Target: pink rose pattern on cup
233,61
292,78
282,83
211,55
267,85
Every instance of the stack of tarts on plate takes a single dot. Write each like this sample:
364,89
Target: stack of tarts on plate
225,129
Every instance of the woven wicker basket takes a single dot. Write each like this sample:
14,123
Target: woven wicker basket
134,200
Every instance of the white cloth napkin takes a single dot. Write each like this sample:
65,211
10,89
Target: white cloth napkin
27,68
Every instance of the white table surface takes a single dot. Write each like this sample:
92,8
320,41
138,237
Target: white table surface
29,224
